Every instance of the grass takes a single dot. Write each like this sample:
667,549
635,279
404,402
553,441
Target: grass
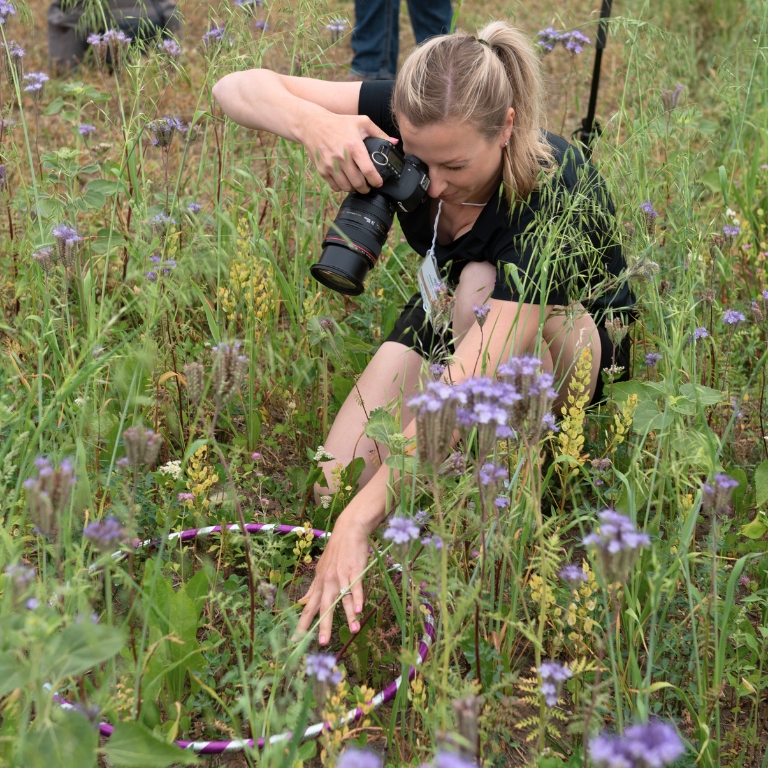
93,347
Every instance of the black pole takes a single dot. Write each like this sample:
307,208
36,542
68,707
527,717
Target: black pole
589,129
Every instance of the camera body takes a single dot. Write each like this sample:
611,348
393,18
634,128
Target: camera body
354,241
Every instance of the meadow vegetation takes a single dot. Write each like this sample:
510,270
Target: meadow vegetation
168,363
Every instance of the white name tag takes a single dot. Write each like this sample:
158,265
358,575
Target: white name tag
429,281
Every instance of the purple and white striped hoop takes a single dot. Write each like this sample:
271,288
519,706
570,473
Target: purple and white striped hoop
313,731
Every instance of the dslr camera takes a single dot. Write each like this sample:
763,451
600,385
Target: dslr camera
353,243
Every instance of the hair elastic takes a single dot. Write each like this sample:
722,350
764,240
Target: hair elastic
484,42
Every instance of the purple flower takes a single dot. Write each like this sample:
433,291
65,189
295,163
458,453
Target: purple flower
421,517
32,604
492,474
549,423
194,207
744,581
155,258
6,9
105,534
85,130
151,276
163,131
20,577
487,406
435,419
652,745
535,390
401,530
548,38
34,83
186,496
731,230
358,758
650,214
617,543
116,36
452,760
700,333
716,496
213,35
732,317
434,541
573,575
262,25
94,39
669,99
574,41
256,456
502,502
322,667
170,48
481,313
48,494
652,359
553,675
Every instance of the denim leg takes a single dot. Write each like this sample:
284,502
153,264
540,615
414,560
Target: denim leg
430,17
375,38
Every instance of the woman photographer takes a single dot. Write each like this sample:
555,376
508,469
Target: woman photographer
522,228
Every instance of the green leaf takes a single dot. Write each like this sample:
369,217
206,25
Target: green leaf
761,484
13,673
132,746
341,387
71,741
647,417
78,648
105,187
624,389
381,427
755,529
54,107
697,393
401,463
737,498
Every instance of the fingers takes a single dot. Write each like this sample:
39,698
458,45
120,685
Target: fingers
330,593
349,608
358,599
310,611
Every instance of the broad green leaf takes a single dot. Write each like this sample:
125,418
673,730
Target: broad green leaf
13,673
381,427
624,389
132,746
647,417
55,106
78,648
70,742
761,484
697,393
105,187
755,529
341,387
401,463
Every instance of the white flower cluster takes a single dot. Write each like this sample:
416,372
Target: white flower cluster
731,214
322,455
172,468
325,501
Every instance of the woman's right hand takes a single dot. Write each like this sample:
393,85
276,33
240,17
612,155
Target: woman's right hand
335,144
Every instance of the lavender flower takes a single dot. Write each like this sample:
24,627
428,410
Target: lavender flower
20,578
651,745
229,369
401,530
716,496
44,257
100,49
262,25
573,576
652,359
337,27
452,760
700,333
34,84
186,497
151,276
481,313
433,541
574,41
618,545
548,38
732,317
359,758
194,208
553,675
141,446
435,419
6,9
48,493
213,35
670,98
170,48
12,63
105,534
650,214
536,395
731,230
67,242
163,131
492,474
501,502
118,42
321,667
487,406
85,130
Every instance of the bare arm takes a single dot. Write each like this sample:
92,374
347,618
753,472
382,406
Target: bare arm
321,115
510,328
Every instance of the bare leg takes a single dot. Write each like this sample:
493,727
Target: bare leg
475,286
393,370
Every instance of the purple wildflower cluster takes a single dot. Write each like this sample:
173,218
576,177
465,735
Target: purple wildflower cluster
652,359
34,82
651,745
141,446
166,266
732,317
337,27
7,9
716,495
617,543
322,666
12,63
650,214
105,534
481,313
486,405
213,36
573,41
170,48
401,531
573,575
731,230
670,98
48,493
182,497
435,419
163,131
553,675
531,412
86,129
700,333
359,758
194,208
67,243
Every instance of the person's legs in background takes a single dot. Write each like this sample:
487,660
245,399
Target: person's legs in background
430,18
375,39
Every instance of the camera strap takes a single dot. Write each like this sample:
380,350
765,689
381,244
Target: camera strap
429,275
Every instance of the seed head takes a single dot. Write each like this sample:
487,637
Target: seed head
617,329
435,419
12,61
48,494
141,446
229,369
67,244
20,577
118,43
44,257
194,373
670,98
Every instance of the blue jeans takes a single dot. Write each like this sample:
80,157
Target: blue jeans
375,38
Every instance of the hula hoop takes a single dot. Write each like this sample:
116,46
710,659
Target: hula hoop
313,731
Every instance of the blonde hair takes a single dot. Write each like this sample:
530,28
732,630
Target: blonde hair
459,78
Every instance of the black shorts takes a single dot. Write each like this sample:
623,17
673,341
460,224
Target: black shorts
414,329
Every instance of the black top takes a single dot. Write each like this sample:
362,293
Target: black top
557,247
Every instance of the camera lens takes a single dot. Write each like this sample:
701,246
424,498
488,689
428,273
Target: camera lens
353,243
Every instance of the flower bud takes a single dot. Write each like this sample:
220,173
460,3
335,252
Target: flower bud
195,376
141,446
229,369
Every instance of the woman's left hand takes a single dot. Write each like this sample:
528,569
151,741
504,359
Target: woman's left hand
339,572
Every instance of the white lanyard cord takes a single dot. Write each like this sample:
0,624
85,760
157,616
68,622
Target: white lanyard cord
431,251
